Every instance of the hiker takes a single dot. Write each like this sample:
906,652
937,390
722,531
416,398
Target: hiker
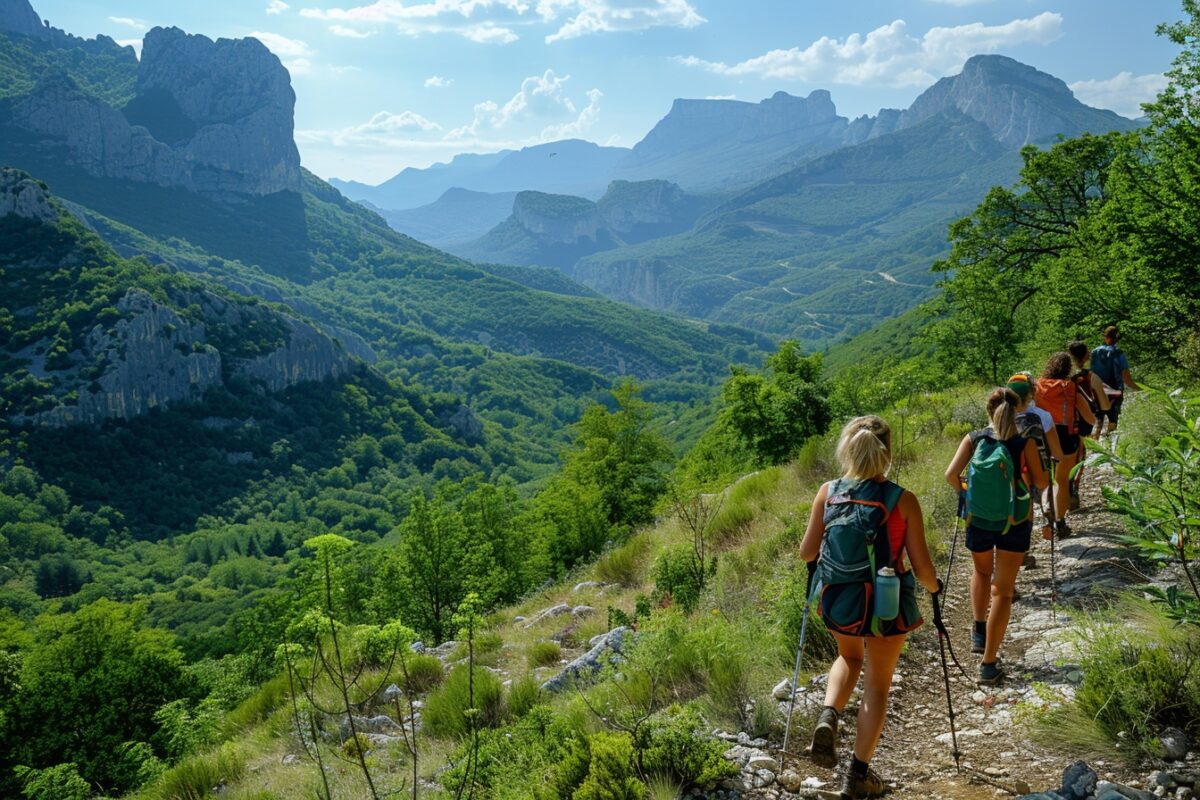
1030,415
1092,387
1064,400
1112,367
999,512
862,526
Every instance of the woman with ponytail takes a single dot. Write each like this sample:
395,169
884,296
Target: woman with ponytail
997,546
864,506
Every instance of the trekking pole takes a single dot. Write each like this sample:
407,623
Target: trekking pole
1051,516
808,598
960,515
943,640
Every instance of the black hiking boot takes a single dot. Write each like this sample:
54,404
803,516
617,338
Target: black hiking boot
1030,561
869,785
824,742
991,674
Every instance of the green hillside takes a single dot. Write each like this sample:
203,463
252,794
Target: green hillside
99,65
826,250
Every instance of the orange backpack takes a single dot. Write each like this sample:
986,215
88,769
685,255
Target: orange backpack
1058,397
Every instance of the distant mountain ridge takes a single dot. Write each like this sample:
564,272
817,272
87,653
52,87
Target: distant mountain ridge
457,217
570,166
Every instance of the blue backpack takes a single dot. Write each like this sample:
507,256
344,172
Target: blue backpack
1104,364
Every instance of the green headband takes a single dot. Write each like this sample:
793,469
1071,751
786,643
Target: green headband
1022,387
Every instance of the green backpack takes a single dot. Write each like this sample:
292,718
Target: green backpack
996,494
855,545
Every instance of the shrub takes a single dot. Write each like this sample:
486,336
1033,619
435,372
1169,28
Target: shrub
523,695
626,564
677,575
672,745
270,696
610,771
193,778
424,673
543,654
1137,680
60,782
445,710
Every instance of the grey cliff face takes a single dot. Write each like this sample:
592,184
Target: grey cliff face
231,102
625,207
18,16
153,356
25,197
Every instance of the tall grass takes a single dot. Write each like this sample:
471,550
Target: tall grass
194,778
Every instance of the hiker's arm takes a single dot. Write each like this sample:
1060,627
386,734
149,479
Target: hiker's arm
1033,462
914,542
959,463
810,547
1130,383
1099,393
1082,408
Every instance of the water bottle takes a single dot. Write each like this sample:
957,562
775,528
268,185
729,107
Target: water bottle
887,594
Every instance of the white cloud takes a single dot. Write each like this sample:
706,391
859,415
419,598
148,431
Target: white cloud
889,55
493,21
1124,93
342,70
385,128
295,54
586,119
349,33
128,22
721,97
540,96
277,7
606,16
437,82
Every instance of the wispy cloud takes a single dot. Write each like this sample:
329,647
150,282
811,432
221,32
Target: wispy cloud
889,55
277,7
129,22
295,54
350,33
1124,93
578,126
382,129
437,82
496,21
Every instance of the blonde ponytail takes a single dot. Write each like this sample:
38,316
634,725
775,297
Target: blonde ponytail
1002,410
864,449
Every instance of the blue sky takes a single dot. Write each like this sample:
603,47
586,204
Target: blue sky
385,84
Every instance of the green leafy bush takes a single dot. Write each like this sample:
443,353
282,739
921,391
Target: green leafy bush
544,654
193,778
425,672
679,577
446,709
60,782
610,771
673,744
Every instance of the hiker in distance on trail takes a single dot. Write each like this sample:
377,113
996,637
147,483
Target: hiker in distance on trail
1111,366
1066,403
1093,391
862,526
996,502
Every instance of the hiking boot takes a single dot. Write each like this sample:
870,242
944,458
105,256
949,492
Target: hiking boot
1030,561
978,641
990,674
1074,501
1064,530
824,742
856,786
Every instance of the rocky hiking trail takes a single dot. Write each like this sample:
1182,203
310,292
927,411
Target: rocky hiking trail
998,757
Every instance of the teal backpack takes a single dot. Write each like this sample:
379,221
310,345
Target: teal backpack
996,497
855,545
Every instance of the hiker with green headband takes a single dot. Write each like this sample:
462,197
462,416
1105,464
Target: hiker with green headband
1030,416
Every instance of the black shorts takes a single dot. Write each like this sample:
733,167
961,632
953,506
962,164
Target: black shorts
1084,428
1069,441
1114,411
1015,541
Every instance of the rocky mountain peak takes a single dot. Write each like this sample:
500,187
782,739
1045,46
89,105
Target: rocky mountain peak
18,16
1019,103
22,195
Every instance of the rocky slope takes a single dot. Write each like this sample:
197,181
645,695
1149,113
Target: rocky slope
159,343
17,16
214,118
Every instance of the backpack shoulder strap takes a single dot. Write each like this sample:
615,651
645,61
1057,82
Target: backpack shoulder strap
892,492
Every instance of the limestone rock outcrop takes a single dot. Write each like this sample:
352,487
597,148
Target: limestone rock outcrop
25,197
18,16
211,117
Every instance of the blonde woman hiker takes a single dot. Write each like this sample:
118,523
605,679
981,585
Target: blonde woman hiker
863,527
1036,424
999,508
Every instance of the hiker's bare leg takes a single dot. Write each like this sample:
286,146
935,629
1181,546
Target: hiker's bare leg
1007,566
981,584
1062,486
882,655
843,675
